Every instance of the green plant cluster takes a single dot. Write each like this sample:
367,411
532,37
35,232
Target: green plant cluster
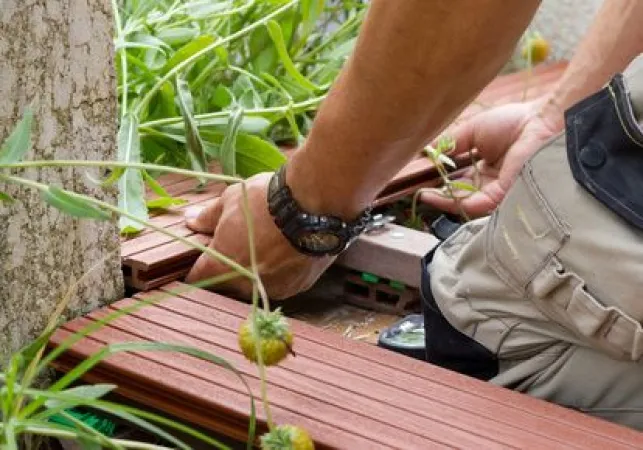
221,80
58,410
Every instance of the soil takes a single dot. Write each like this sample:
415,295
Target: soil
324,306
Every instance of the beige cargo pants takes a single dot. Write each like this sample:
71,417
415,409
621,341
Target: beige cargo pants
552,282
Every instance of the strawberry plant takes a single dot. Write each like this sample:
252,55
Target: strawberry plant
29,412
221,80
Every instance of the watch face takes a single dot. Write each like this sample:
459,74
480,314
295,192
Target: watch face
319,241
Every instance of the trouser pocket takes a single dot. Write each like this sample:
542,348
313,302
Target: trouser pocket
446,346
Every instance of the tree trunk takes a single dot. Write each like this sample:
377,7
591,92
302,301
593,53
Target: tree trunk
57,57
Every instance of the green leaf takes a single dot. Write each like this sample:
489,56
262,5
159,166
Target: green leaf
146,41
444,159
246,93
76,207
18,142
88,444
4,197
177,35
187,51
131,197
278,39
222,97
133,415
203,8
253,154
165,203
227,156
154,185
88,392
113,177
463,186
249,124
167,105
31,351
194,144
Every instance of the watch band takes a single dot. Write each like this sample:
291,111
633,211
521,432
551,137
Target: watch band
291,219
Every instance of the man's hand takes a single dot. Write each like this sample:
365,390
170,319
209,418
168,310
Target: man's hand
505,137
283,270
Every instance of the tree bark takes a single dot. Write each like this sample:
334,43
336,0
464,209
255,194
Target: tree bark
56,56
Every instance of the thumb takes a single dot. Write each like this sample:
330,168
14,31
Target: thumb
204,219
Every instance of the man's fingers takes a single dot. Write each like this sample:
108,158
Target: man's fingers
204,219
476,204
207,268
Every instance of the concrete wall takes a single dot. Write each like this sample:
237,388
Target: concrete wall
563,23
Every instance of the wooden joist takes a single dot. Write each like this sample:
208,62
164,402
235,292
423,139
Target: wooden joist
348,394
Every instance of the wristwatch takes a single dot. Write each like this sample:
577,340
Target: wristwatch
311,234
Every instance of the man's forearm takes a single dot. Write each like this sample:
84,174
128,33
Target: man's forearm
417,64
612,41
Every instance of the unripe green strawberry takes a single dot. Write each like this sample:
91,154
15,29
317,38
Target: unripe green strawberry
538,47
287,437
276,338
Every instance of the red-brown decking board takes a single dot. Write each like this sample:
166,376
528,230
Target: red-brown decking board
347,394
151,259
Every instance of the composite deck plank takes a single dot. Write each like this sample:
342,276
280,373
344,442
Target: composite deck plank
367,380
188,393
149,241
284,399
166,253
425,405
297,386
440,379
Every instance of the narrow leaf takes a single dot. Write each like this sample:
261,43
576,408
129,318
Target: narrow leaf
194,144
463,186
253,154
87,444
278,39
89,392
73,206
18,142
222,97
227,156
165,203
249,124
444,159
177,35
154,185
131,187
113,177
32,350
189,49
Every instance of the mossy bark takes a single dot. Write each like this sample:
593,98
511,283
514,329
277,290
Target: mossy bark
56,56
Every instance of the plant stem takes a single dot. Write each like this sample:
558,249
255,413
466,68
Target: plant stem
123,165
176,69
447,182
255,300
208,251
248,112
